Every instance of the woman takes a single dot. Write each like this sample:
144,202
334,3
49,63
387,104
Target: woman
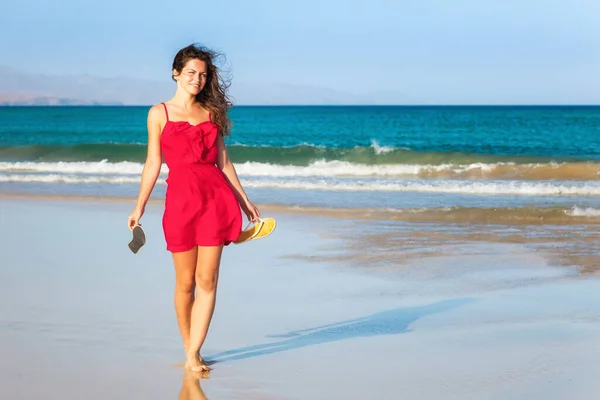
204,195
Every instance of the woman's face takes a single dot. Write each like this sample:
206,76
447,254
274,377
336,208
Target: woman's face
192,77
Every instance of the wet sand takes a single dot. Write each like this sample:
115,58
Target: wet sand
325,308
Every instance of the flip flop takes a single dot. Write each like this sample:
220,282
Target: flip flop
139,239
266,229
249,232
261,229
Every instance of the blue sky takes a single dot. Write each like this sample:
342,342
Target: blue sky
434,51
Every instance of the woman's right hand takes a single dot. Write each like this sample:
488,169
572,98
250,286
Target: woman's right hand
134,219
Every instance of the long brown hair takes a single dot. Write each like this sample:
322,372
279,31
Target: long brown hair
213,96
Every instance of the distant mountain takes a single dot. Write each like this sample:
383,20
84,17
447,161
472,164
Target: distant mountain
33,100
80,89
21,88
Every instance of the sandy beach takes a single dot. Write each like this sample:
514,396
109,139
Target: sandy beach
325,308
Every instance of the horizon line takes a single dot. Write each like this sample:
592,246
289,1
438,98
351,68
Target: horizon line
327,105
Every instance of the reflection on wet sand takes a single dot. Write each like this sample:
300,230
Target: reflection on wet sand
393,244
191,388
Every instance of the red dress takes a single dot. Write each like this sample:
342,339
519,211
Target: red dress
201,208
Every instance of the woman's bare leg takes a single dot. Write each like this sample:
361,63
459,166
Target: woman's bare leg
207,276
185,283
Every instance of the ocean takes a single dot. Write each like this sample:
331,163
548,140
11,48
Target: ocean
449,163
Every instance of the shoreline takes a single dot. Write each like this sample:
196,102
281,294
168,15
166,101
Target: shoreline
526,215
396,241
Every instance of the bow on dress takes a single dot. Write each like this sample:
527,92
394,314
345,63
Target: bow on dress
202,138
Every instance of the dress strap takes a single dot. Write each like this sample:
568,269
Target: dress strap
166,112
209,117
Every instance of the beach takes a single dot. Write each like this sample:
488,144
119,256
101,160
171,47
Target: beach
328,307
432,252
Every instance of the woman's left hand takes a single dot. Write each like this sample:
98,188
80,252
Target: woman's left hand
250,210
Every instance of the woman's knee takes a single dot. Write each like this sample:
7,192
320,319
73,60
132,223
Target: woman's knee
206,281
185,283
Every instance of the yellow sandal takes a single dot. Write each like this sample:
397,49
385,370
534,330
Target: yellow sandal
261,229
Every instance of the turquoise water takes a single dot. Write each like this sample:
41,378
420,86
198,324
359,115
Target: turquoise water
306,134
389,156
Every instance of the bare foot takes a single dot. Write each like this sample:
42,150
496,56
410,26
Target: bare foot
196,363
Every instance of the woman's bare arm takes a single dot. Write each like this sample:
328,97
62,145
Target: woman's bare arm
152,165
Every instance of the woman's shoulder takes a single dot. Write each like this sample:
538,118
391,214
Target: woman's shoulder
158,108
157,112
